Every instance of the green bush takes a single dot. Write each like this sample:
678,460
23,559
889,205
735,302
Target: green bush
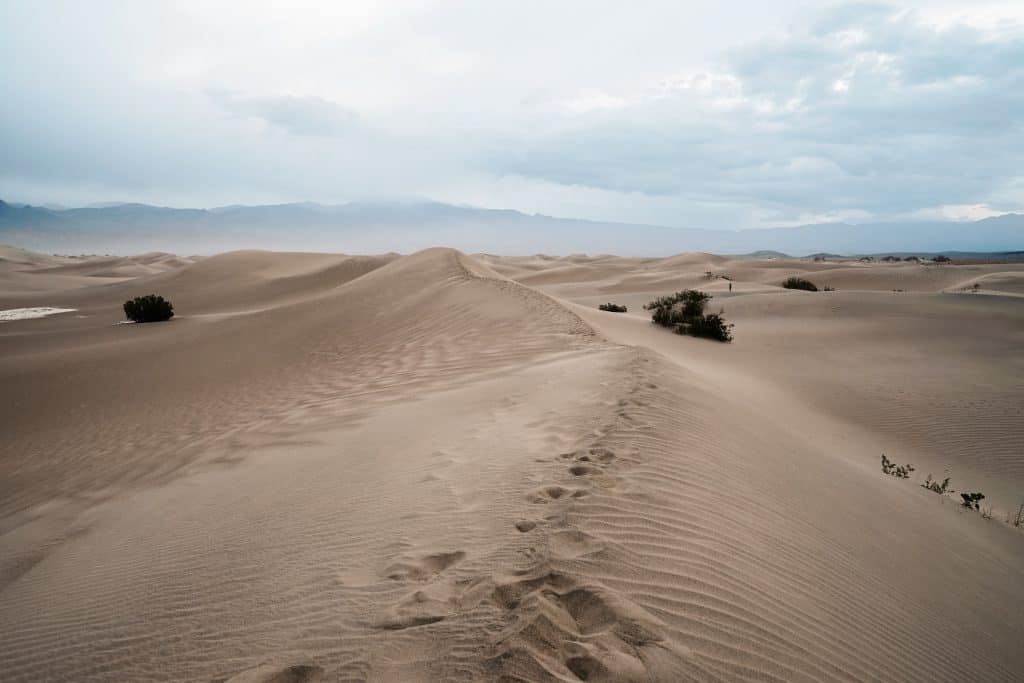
799,283
936,486
148,309
972,500
612,308
894,470
684,312
710,326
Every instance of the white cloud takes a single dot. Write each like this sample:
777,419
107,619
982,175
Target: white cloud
592,101
721,115
958,212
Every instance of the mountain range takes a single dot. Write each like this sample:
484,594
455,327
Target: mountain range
380,227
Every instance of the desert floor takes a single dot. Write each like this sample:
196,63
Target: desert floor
453,467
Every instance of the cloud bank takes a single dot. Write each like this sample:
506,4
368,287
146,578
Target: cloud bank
725,117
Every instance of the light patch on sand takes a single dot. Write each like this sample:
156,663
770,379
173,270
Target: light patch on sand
29,313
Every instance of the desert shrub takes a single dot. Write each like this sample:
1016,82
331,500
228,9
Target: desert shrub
829,289
940,258
972,500
612,308
894,470
935,486
799,283
693,302
684,312
148,309
1018,519
710,326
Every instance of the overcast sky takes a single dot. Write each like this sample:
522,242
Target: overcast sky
737,115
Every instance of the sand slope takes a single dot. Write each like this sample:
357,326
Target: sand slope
382,468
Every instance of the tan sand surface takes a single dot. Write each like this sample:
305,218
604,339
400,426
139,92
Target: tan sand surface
445,467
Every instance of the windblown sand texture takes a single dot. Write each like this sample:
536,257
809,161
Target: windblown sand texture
452,467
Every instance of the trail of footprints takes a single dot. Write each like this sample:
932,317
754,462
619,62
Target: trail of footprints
561,627
557,625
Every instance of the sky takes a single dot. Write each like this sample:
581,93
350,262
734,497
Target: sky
736,115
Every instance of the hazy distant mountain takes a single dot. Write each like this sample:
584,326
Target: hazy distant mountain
382,227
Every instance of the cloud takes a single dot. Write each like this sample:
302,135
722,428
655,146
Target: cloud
298,115
867,110
728,114
958,212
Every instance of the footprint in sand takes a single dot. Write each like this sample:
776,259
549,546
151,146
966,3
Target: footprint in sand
267,673
581,470
423,568
418,609
552,492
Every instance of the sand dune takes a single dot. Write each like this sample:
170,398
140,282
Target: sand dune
443,467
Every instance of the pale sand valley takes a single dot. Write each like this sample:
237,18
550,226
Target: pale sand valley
443,466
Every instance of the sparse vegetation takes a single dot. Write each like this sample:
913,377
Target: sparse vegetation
148,309
684,312
894,470
972,500
939,258
710,326
800,283
612,308
968,500
935,486
829,289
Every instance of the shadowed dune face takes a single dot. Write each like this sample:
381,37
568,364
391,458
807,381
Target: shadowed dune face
331,467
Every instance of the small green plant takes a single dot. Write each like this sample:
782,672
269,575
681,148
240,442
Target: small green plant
799,283
935,486
612,308
684,312
148,309
894,470
972,500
